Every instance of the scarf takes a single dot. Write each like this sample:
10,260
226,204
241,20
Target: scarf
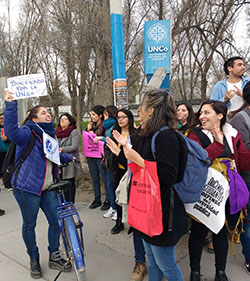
228,132
98,129
108,123
47,128
60,133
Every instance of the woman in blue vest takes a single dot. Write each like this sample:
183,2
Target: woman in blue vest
35,175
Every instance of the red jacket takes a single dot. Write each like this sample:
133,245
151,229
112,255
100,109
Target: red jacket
241,154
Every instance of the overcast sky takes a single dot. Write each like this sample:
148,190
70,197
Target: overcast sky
240,31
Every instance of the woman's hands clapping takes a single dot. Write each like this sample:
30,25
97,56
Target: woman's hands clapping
119,138
129,153
112,146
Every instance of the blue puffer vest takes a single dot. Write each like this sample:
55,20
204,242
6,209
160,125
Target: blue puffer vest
33,170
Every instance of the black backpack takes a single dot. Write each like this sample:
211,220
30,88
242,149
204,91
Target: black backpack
9,167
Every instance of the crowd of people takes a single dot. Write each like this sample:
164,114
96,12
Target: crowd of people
221,126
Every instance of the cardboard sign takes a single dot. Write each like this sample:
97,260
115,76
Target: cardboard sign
51,148
210,209
27,86
90,148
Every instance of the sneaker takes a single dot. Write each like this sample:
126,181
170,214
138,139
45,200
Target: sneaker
220,276
114,217
109,213
195,276
35,269
210,250
57,262
247,266
105,206
95,204
2,212
139,272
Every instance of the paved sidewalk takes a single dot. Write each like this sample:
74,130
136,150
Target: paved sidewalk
108,257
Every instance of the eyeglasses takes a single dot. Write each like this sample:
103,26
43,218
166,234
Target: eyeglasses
121,117
64,118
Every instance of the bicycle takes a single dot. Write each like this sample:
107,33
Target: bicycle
71,230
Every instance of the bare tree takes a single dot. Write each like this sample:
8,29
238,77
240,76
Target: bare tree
70,41
199,38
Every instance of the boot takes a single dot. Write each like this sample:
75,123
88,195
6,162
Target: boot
57,262
139,272
119,226
220,276
35,269
195,276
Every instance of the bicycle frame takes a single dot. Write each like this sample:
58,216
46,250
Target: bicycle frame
67,215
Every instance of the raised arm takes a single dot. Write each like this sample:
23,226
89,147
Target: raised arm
18,135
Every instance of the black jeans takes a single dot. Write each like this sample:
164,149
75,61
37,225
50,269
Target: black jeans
2,157
70,191
196,243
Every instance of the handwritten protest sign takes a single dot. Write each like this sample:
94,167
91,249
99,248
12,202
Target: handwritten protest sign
210,209
90,148
27,86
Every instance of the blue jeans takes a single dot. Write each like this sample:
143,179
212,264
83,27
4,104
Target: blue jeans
161,261
111,189
139,249
29,205
96,169
245,237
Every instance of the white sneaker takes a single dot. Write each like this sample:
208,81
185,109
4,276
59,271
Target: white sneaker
114,216
109,213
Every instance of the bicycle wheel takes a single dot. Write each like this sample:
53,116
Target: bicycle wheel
75,249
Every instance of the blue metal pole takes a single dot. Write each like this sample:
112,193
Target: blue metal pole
118,55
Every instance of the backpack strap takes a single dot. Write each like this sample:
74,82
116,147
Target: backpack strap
246,117
165,127
205,141
171,209
24,156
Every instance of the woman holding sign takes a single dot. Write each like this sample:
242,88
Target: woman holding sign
36,173
220,140
95,164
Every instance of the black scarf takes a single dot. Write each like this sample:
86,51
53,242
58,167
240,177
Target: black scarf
47,128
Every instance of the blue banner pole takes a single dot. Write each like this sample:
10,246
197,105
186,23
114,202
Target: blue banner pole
118,55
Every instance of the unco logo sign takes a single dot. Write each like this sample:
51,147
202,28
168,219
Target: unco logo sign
157,32
159,49
49,146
